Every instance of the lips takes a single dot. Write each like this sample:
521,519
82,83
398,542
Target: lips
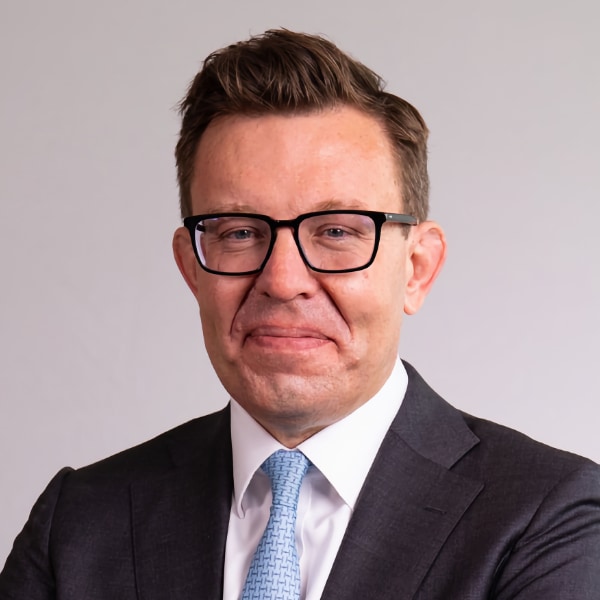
282,340
286,332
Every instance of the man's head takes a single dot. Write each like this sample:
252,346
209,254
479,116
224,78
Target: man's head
283,72
297,347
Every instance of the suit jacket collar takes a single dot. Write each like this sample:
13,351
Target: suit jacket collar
410,502
430,426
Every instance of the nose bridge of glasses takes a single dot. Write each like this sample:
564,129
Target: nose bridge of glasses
292,225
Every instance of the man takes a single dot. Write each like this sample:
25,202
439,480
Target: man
304,196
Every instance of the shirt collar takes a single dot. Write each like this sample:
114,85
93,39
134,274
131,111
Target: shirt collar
343,452
251,445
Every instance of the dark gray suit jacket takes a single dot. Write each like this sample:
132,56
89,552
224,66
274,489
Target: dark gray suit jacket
454,508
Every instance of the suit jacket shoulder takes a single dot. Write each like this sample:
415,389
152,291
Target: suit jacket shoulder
148,522
481,448
181,445
458,507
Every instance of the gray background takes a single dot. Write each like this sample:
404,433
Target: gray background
100,342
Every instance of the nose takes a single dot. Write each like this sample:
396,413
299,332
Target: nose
285,276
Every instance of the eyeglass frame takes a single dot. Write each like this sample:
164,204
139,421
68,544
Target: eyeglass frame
378,218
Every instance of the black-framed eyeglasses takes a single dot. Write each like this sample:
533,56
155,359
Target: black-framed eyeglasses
329,241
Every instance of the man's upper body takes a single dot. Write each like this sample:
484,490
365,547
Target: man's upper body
305,240
453,507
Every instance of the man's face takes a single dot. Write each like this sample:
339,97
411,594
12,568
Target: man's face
297,349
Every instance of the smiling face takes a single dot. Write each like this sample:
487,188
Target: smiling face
297,349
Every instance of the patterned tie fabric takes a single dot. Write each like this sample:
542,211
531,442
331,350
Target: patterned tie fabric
274,573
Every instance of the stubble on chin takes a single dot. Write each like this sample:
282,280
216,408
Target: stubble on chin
293,406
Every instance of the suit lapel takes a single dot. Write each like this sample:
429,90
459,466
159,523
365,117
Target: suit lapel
180,520
409,504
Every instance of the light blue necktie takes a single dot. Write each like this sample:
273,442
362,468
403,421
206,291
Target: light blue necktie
274,573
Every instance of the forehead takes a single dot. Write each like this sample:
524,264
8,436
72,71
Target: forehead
340,156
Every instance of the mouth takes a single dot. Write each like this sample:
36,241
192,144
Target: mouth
286,338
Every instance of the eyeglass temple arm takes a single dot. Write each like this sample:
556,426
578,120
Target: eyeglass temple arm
404,219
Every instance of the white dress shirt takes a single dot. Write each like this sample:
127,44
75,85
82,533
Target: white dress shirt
341,456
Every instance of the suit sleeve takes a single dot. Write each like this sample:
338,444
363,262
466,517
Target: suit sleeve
558,557
27,574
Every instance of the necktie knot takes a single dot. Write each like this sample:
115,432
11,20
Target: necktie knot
286,470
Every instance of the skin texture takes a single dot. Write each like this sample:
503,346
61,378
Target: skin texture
300,350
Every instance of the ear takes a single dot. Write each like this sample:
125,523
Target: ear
427,255
185,258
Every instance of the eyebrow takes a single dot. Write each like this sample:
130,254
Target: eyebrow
233,207
337,204
331,204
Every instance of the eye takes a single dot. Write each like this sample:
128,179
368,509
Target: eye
337,228
239,234
235,230
335,232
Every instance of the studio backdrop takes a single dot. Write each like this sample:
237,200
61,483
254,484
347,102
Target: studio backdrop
101,346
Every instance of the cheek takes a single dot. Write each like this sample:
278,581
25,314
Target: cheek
370,302
219,299
387,288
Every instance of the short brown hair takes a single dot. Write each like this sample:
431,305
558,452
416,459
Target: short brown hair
282,71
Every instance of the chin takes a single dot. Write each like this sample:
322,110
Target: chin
288,393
